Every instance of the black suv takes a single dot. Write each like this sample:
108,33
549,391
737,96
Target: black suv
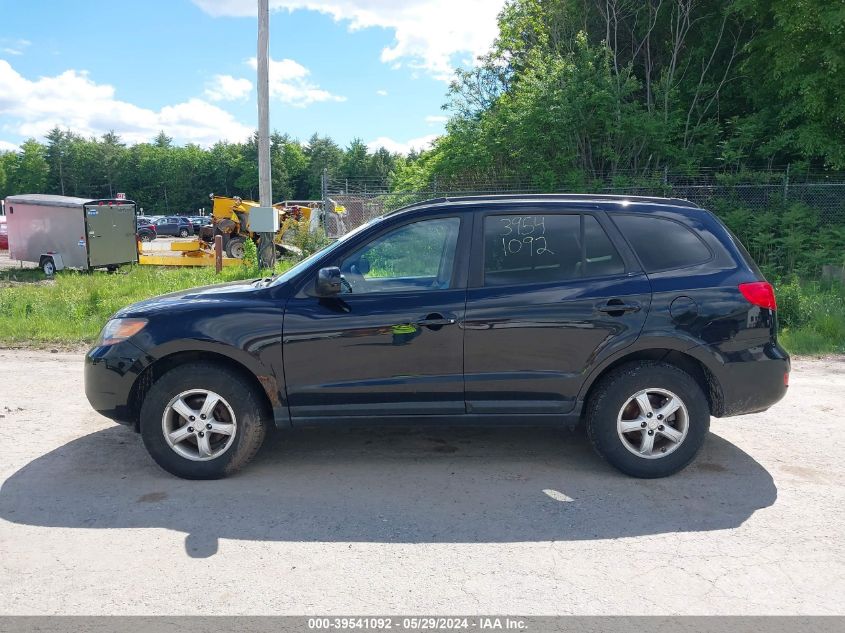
640,317
174,225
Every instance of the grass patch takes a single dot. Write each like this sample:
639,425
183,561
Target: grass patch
811,316
72,308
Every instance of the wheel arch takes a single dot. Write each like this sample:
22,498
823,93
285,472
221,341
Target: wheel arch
162,365
688,363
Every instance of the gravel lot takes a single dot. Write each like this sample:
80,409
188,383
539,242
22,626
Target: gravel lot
418,521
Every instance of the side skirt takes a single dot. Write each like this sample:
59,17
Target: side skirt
469,419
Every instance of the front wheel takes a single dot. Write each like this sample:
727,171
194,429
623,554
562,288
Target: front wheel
648,419
202,421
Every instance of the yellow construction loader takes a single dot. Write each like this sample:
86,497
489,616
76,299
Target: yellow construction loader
230,218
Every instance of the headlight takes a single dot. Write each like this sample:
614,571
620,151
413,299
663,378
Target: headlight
118,330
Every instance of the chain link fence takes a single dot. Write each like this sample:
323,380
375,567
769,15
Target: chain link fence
822,193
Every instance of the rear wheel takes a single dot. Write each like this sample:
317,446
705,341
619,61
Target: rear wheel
648,419
183,232
202,421
235,247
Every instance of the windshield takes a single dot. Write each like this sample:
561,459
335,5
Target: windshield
292,272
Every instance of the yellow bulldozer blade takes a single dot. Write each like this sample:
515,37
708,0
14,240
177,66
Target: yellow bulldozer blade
183,253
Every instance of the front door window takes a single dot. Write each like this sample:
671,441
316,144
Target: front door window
415,257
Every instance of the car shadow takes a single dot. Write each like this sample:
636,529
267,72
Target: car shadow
392,485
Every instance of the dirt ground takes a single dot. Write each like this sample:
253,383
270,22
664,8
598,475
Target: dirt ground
374,521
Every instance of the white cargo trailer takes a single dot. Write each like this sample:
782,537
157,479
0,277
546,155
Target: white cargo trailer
62,232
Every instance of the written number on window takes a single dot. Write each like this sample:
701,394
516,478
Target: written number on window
524,232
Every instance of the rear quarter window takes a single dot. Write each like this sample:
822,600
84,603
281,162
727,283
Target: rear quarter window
661,243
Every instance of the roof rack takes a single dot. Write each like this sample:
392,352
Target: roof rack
584,197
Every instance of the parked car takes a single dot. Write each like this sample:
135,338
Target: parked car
146,232
200,221
144,220
174,225
4,234
639,317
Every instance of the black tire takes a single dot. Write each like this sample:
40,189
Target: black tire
245,402
145,237
48,266
235,247
613,392
183,232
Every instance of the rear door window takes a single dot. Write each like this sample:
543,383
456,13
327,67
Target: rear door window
661,243
527,248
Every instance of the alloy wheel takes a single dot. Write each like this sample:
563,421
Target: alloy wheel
199,425
653,423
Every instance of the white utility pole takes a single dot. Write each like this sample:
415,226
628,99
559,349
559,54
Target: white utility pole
267,252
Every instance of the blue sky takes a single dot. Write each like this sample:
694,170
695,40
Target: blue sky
374,69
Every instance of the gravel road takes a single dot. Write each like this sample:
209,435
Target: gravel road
405,521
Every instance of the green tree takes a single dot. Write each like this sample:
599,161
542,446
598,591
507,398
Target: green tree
798,94
322,153
112,151
162,141
3,177
57,157
32,170
355,162
292,155
626,88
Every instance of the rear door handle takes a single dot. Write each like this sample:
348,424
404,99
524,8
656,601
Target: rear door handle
436,320
618,308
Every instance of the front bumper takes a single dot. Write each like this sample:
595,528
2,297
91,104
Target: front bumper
110,373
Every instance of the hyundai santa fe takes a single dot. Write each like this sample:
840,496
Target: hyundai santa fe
639,318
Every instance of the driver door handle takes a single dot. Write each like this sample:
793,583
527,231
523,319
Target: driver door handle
436,320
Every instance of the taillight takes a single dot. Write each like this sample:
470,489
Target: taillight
760,293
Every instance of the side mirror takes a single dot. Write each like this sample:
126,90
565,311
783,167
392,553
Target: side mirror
328,282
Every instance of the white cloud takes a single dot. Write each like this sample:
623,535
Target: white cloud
433,119
6,146
13,46
289,84
75,101
428,33
381,93
228,88
391,145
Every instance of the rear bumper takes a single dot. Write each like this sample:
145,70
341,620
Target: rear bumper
110,373
750,380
